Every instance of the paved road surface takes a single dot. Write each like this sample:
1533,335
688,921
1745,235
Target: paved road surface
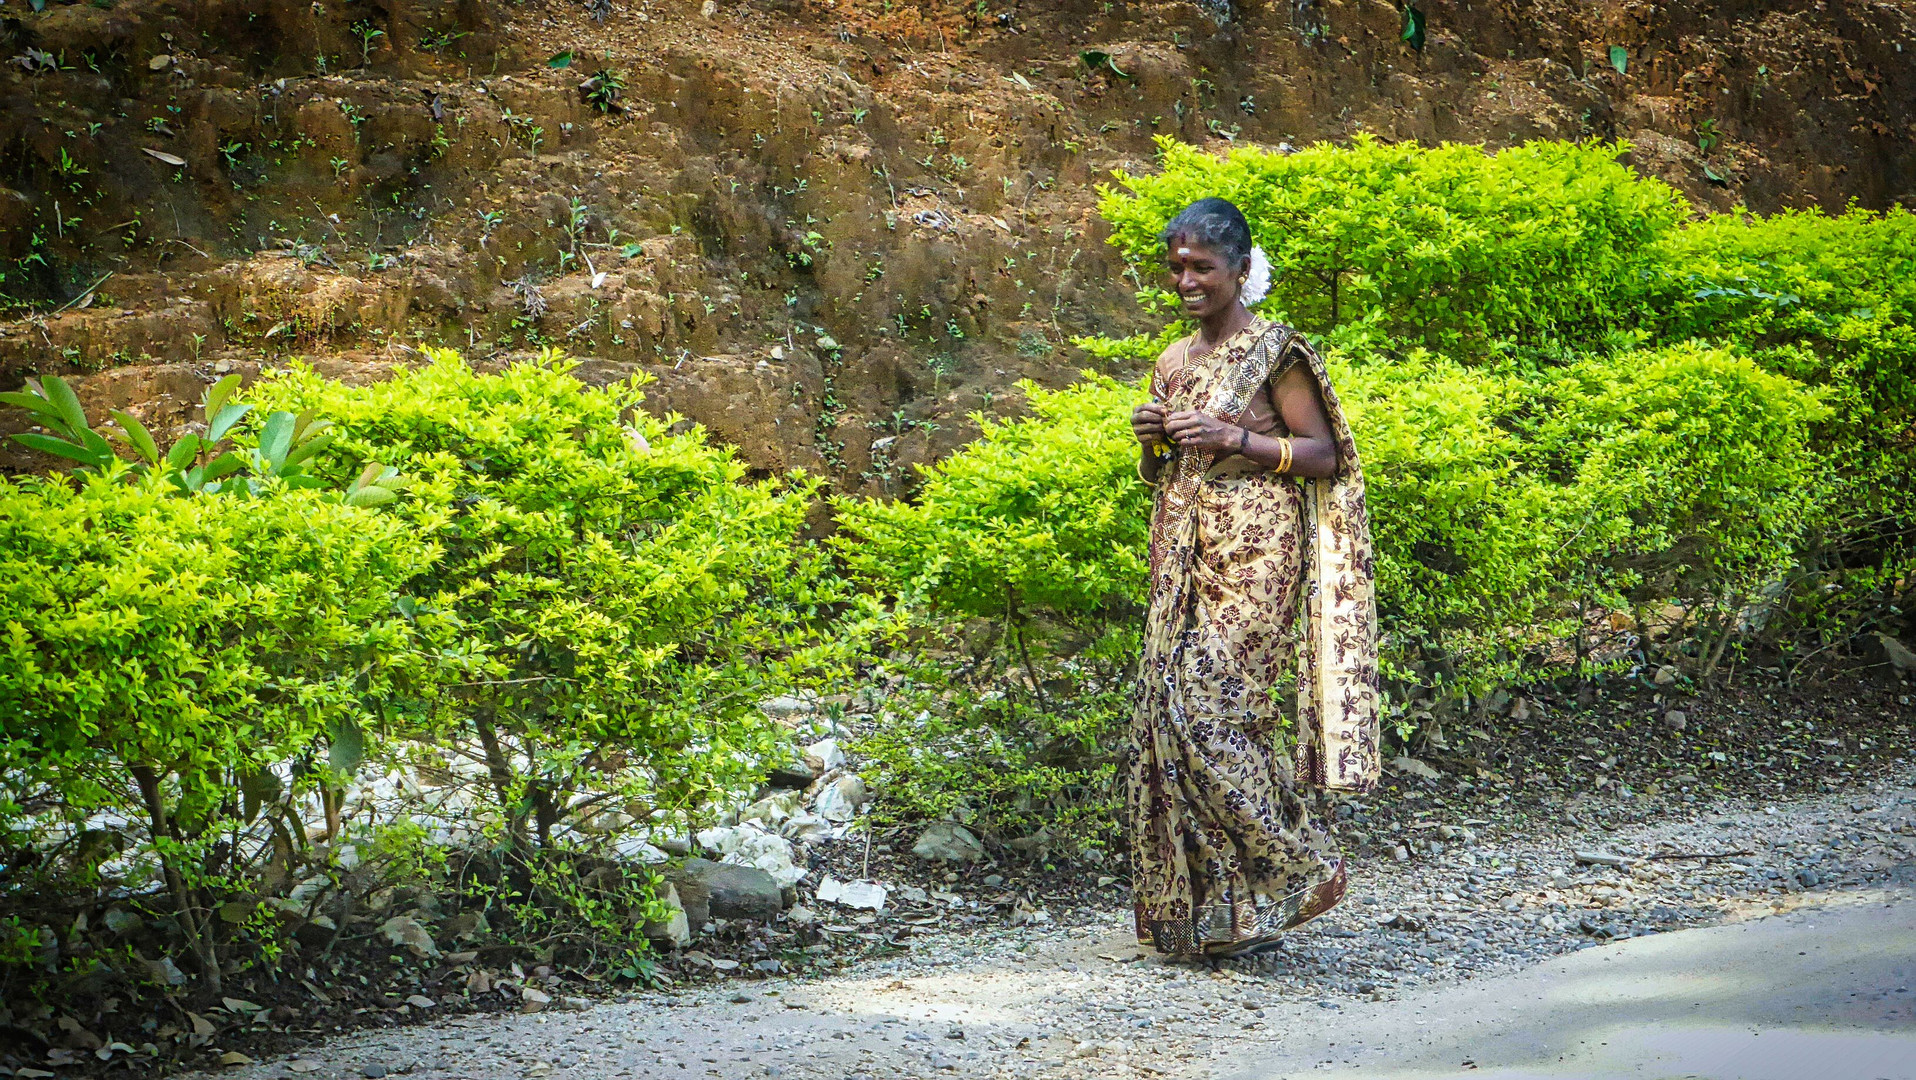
1817,994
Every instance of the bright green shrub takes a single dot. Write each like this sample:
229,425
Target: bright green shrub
1456,523
163,654
1829,301
1451,247
1690,459
1044,512
612,600
1499,503
1037,532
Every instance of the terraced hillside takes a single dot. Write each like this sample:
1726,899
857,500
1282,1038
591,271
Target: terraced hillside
832,229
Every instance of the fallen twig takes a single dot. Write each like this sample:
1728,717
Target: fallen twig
1699,854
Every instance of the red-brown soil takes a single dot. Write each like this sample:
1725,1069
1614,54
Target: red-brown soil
832,229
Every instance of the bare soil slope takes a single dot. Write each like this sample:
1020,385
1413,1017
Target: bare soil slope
832,229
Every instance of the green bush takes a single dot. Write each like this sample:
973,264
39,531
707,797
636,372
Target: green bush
203,636
163,655
1018,565
1450,247
1042,513
612,600
1503,507
1568,402
1831,302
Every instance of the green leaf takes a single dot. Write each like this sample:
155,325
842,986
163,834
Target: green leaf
306,450
222,422
348,748
370,496
1620,59
276,438
217,394
560,60
225,465
1094,59
33,403
1713,176
632,251
369,475
257,789
95,442
64,399
50,444
138,437
1414,28
309,425
183,452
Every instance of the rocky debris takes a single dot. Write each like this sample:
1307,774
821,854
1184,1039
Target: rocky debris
1405,765
1901,658
1600,858
840,800
805,827
466,924
746,844
405,931
774,809
823,756
948,841
675,930
793,777
729,891
787,706
867,895
1075,997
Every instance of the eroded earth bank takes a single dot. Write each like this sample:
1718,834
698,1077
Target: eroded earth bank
833,229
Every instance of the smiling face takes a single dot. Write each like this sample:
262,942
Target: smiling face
1204,280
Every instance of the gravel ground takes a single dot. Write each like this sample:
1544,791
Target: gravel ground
1082,1000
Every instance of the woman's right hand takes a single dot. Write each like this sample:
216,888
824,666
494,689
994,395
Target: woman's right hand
1147,423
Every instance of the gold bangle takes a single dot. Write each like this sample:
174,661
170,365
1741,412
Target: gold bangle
1141,475
1284,461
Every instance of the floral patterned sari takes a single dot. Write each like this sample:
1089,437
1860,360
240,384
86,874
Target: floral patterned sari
1261,590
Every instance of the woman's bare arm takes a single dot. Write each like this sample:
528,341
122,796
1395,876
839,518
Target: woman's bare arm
1147,421
1313,449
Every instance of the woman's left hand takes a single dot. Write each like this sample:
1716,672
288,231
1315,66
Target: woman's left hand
1195,431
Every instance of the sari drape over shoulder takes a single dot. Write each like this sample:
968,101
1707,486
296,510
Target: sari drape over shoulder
1260,594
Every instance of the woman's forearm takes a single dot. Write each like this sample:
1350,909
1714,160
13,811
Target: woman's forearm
1147,465
1309,456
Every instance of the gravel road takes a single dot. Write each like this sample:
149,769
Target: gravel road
1082,1001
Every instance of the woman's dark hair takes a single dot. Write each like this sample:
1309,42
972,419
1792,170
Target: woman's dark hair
1215,223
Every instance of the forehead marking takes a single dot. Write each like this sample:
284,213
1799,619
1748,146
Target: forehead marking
1184,251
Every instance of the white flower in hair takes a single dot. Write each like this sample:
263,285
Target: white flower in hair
1257,284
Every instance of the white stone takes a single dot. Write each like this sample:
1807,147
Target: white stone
839,800
823,756
773,809
750,845
806,828
948,841
404,930
867,895
1405,765
674,929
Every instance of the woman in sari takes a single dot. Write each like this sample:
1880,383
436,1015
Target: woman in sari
1259,672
